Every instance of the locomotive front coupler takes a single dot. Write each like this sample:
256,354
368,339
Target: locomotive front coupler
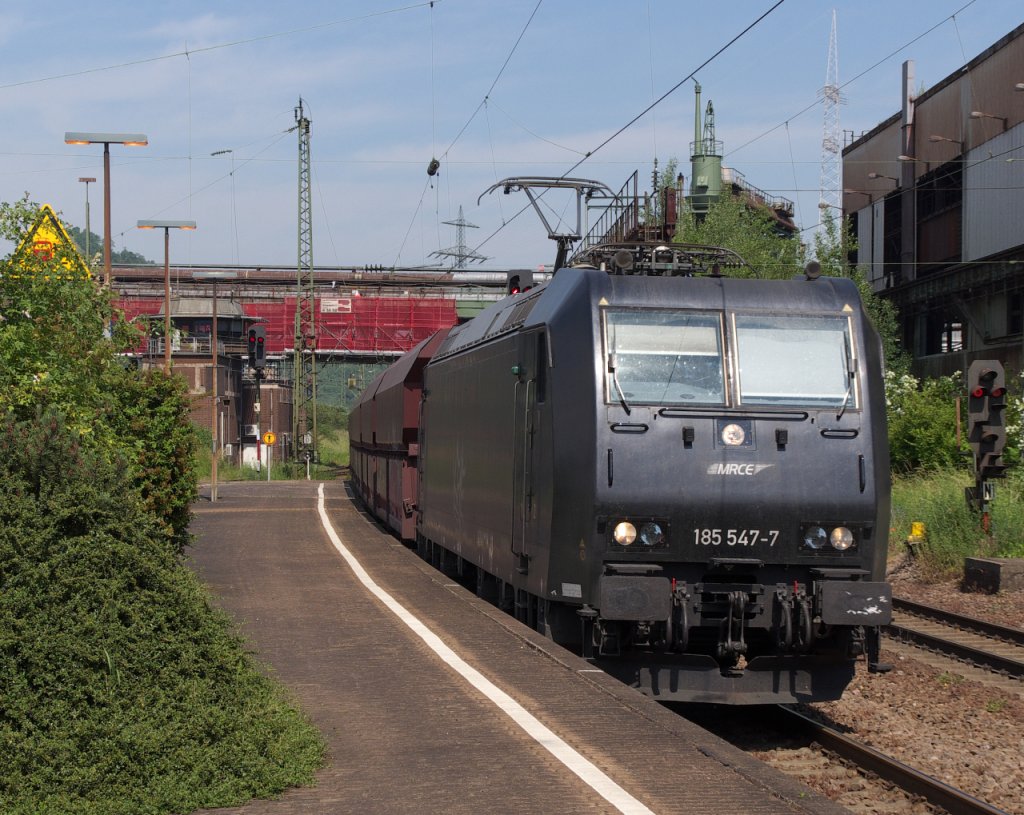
731,642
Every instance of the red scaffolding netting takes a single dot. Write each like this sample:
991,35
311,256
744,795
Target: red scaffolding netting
350,324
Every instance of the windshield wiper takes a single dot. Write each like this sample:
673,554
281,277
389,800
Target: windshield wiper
850,374
612,365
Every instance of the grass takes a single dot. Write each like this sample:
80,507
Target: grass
947,679
333,454
953,530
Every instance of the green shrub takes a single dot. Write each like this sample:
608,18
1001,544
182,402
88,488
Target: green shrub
922,422
121,690
152,419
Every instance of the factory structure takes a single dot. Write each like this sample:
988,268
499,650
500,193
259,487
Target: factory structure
934,196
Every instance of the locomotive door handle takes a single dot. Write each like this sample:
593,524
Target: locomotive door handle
863,472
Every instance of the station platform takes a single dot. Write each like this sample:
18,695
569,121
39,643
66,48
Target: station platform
433,701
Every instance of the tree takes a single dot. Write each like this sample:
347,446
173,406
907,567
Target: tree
832,248
747,231
61,349
96,249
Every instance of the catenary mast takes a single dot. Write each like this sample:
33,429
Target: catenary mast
304,430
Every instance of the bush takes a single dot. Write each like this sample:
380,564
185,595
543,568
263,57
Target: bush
122,690
922,422
151,417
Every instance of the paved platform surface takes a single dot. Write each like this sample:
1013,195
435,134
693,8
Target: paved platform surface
406,733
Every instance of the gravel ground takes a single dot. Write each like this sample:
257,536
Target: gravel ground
928,714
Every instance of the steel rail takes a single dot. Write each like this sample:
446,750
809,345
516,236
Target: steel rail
984,627
962,651
915,782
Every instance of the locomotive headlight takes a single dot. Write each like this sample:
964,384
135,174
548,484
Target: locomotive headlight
625,533
651,534
841,538
733,435
815,537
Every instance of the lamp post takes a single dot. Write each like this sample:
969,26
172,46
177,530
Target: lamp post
882,175
88,229
935,139
214,277
167,226
977,114
904,159
106,139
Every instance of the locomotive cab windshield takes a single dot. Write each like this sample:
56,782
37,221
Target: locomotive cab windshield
794,360
664,358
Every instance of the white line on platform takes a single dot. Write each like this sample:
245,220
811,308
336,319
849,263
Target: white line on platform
590,775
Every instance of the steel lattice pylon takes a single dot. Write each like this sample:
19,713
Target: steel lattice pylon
460,253
304,430
829,199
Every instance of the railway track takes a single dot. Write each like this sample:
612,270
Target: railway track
977,642
906,778
855,775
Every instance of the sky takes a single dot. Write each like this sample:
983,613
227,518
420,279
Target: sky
491,89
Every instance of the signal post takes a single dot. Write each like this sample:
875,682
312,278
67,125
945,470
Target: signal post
257,345
986,394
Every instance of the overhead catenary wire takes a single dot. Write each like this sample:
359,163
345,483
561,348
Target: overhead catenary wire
850,81
792,162
489,102
218,46
639,116
494,84
434,161
217,180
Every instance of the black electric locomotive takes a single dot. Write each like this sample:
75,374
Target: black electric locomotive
685,478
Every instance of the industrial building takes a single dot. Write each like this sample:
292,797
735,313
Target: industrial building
934,196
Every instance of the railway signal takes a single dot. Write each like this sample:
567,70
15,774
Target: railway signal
518,281
986,394
258,347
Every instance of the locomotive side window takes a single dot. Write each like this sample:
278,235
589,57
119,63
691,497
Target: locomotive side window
664,357
795,360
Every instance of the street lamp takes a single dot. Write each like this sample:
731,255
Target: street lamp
977,114
87,182
106,139
882,175
957,142
167,226
214,277
905,159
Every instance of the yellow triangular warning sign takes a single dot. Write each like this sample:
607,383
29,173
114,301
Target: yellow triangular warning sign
47,240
